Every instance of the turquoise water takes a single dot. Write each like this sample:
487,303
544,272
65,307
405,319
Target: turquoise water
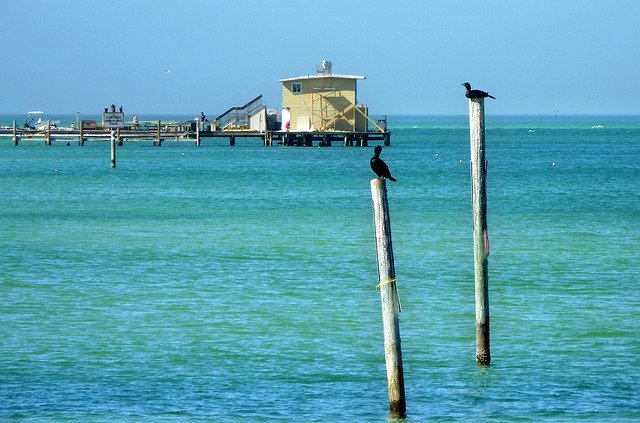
219,283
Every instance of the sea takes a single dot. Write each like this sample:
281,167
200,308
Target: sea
225,284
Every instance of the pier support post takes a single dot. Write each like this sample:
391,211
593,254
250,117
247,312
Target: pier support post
387,139
389,298
48,140
118,139
232,140
15,133
158,139
480,233
197,135
81,135
113,148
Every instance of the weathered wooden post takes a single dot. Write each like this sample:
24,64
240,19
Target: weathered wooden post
113,147
118,138
480,234
113,120
389,298
48,141
197,135
81,135
15,133
158,140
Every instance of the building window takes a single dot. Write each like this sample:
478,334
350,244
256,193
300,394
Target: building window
296,87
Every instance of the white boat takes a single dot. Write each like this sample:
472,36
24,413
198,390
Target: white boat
39,124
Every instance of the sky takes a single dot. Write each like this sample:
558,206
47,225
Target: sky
184,57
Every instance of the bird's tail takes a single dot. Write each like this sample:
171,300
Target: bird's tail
392,179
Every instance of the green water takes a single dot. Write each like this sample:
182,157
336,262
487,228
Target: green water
221,283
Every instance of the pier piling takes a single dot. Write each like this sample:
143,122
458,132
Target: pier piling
81,133
389,298
15,134
113,148
48,140
480,233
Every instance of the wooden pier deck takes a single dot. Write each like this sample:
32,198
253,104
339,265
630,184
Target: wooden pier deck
162,133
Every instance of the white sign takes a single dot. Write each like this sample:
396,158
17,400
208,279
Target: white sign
113,119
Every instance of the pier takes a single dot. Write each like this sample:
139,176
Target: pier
158,132
317,110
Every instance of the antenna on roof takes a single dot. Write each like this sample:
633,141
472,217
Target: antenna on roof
324,68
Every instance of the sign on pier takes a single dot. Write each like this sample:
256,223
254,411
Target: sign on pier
113,119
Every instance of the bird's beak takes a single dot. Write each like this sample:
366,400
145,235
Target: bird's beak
462,84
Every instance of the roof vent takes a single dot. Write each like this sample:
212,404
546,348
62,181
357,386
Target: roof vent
324,68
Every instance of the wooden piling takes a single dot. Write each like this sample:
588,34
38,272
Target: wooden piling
81,134
389,298
48,140
158,140
113,148
15,133
197,135
480,236
232,140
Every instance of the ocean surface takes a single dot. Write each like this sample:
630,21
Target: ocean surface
219,283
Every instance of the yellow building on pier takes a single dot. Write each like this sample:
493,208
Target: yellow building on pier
323,102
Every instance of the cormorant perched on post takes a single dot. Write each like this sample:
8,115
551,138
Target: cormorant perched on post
378,165
475,93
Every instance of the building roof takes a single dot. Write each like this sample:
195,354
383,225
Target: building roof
319,76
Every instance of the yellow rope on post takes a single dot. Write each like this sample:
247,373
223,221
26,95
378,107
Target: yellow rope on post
384,283
395,290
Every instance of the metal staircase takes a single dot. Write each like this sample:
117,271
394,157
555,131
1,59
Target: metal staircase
238,117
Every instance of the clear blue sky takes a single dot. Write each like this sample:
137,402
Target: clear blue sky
64,56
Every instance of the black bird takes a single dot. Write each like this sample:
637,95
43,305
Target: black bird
476,93
378,165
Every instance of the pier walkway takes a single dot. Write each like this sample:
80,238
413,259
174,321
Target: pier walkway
158,133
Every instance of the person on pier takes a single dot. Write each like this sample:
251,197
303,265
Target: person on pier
203,119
